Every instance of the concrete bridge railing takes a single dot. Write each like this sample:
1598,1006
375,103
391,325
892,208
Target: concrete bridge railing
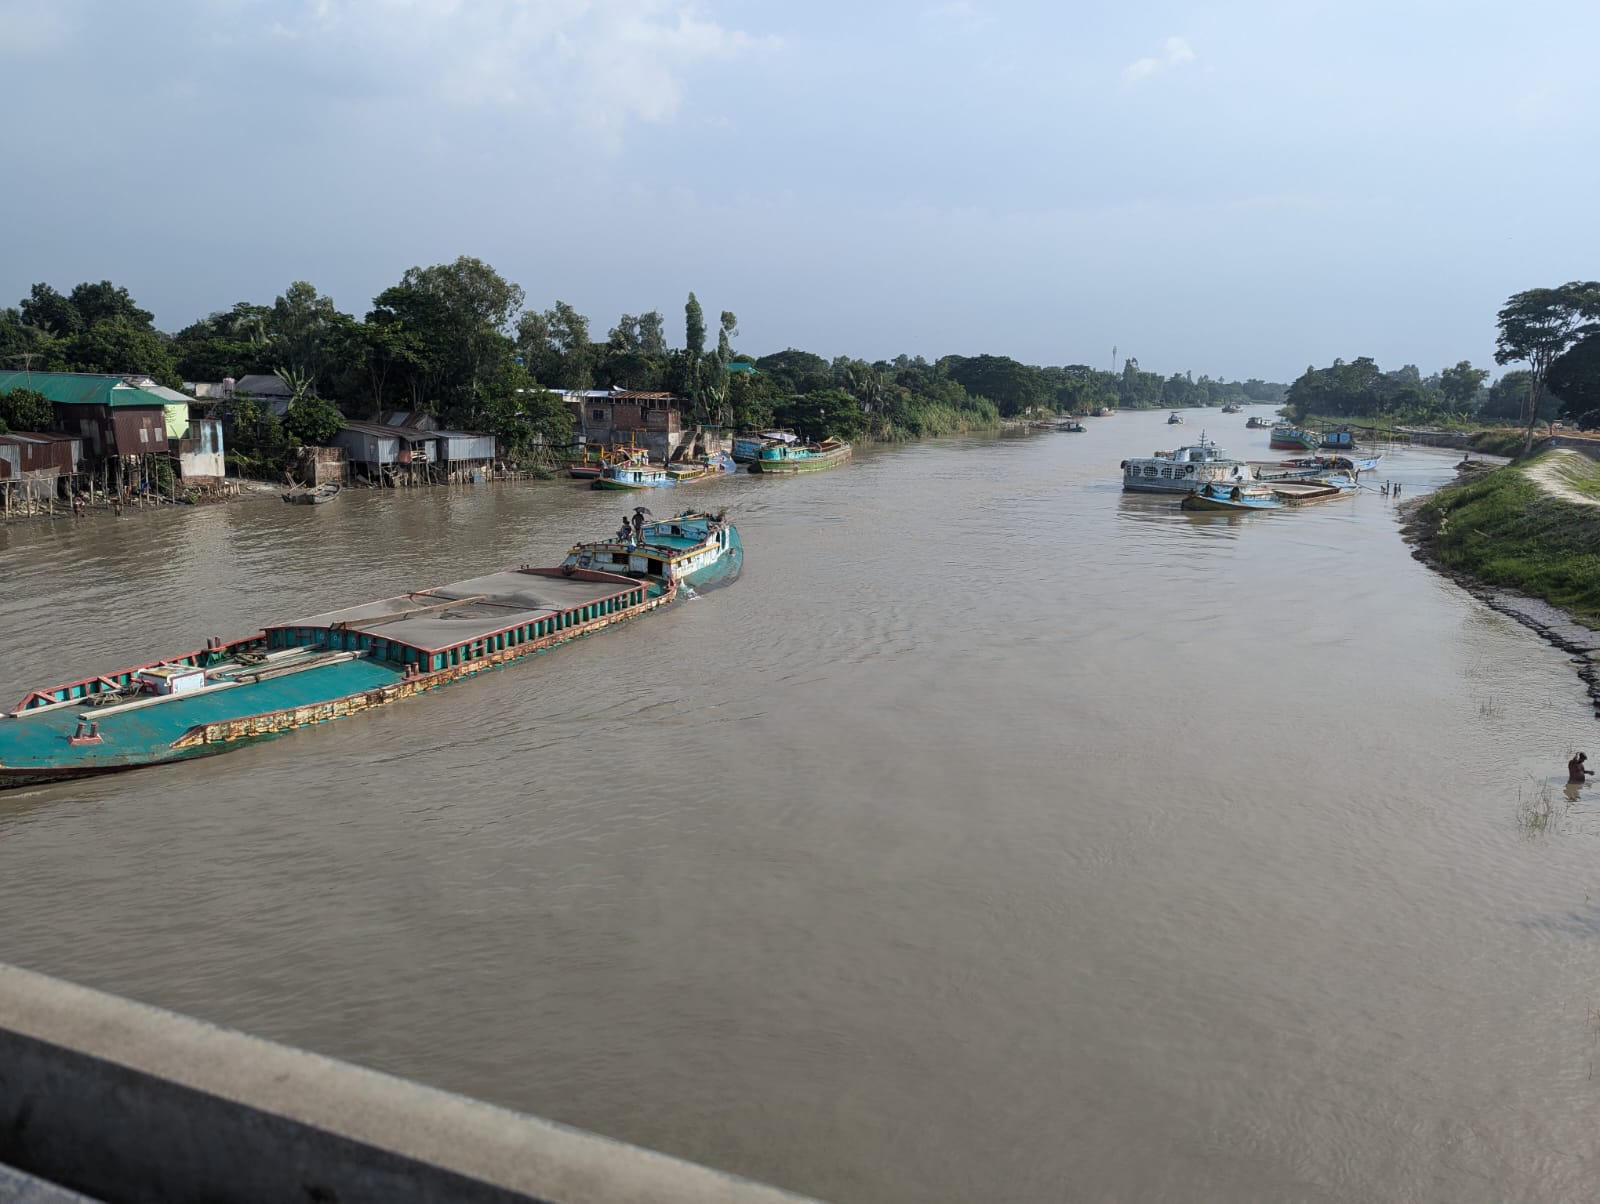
121,1101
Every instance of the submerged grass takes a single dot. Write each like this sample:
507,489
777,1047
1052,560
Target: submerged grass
1504,530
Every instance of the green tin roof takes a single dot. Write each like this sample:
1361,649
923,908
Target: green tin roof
80,388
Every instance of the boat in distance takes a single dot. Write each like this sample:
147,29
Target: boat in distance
1183,470
801,457
329,666
1256,423
1292,438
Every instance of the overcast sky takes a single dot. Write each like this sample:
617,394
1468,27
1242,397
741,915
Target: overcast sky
1237,188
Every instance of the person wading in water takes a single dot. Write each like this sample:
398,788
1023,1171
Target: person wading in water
1577,772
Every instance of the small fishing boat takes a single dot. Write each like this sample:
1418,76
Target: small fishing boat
1174,418
1231,498
1256,423
1232,408
701,466
332,665
1071,425
1103,412
801,457
1293,438
1183,470
308,495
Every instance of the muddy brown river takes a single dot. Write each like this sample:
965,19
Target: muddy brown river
997,836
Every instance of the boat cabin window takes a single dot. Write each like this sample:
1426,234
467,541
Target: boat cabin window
654,567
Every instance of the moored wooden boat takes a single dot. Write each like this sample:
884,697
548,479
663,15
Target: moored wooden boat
1256,423
307,495
748,444
1292,438
1315,489
1235,498
1311,467
632,475
801,457
332,665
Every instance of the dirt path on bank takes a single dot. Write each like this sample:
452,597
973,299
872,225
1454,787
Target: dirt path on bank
1550,474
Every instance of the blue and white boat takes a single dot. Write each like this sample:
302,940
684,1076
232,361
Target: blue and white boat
633,474
689,549
1183,470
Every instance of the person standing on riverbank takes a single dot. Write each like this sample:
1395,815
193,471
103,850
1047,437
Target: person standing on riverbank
1577,772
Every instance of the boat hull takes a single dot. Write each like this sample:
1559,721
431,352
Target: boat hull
1251,500
613,483
1289,438
830,458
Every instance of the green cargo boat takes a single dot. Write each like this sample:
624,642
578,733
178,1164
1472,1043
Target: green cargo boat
801,457
331,665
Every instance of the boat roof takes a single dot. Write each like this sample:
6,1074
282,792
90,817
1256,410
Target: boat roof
487,604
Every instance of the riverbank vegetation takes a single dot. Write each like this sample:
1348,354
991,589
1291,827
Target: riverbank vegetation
1554,331
1505,529
457,341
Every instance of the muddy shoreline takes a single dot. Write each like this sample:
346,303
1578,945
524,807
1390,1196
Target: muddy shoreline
1554,625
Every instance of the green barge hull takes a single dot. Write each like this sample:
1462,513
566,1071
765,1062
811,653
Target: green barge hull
329,666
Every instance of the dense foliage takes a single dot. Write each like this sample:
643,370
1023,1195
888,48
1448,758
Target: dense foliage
25,410
455,340
1360,389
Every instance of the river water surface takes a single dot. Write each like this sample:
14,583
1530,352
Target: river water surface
997,836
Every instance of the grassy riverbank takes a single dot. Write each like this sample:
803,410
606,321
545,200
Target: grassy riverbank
1506,528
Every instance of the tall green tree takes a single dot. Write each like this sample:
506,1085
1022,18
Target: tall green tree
691,367
1461,385
1536,327
461,316
307,335
1575,379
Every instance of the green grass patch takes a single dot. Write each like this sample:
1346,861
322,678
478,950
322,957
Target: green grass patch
1503,529
1501,441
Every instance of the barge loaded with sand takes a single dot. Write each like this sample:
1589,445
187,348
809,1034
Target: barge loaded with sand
331,665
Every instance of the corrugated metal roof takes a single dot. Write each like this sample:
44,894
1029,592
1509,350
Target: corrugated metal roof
80,388
389,432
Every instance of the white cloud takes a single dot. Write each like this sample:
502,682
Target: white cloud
1175,52
601,64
